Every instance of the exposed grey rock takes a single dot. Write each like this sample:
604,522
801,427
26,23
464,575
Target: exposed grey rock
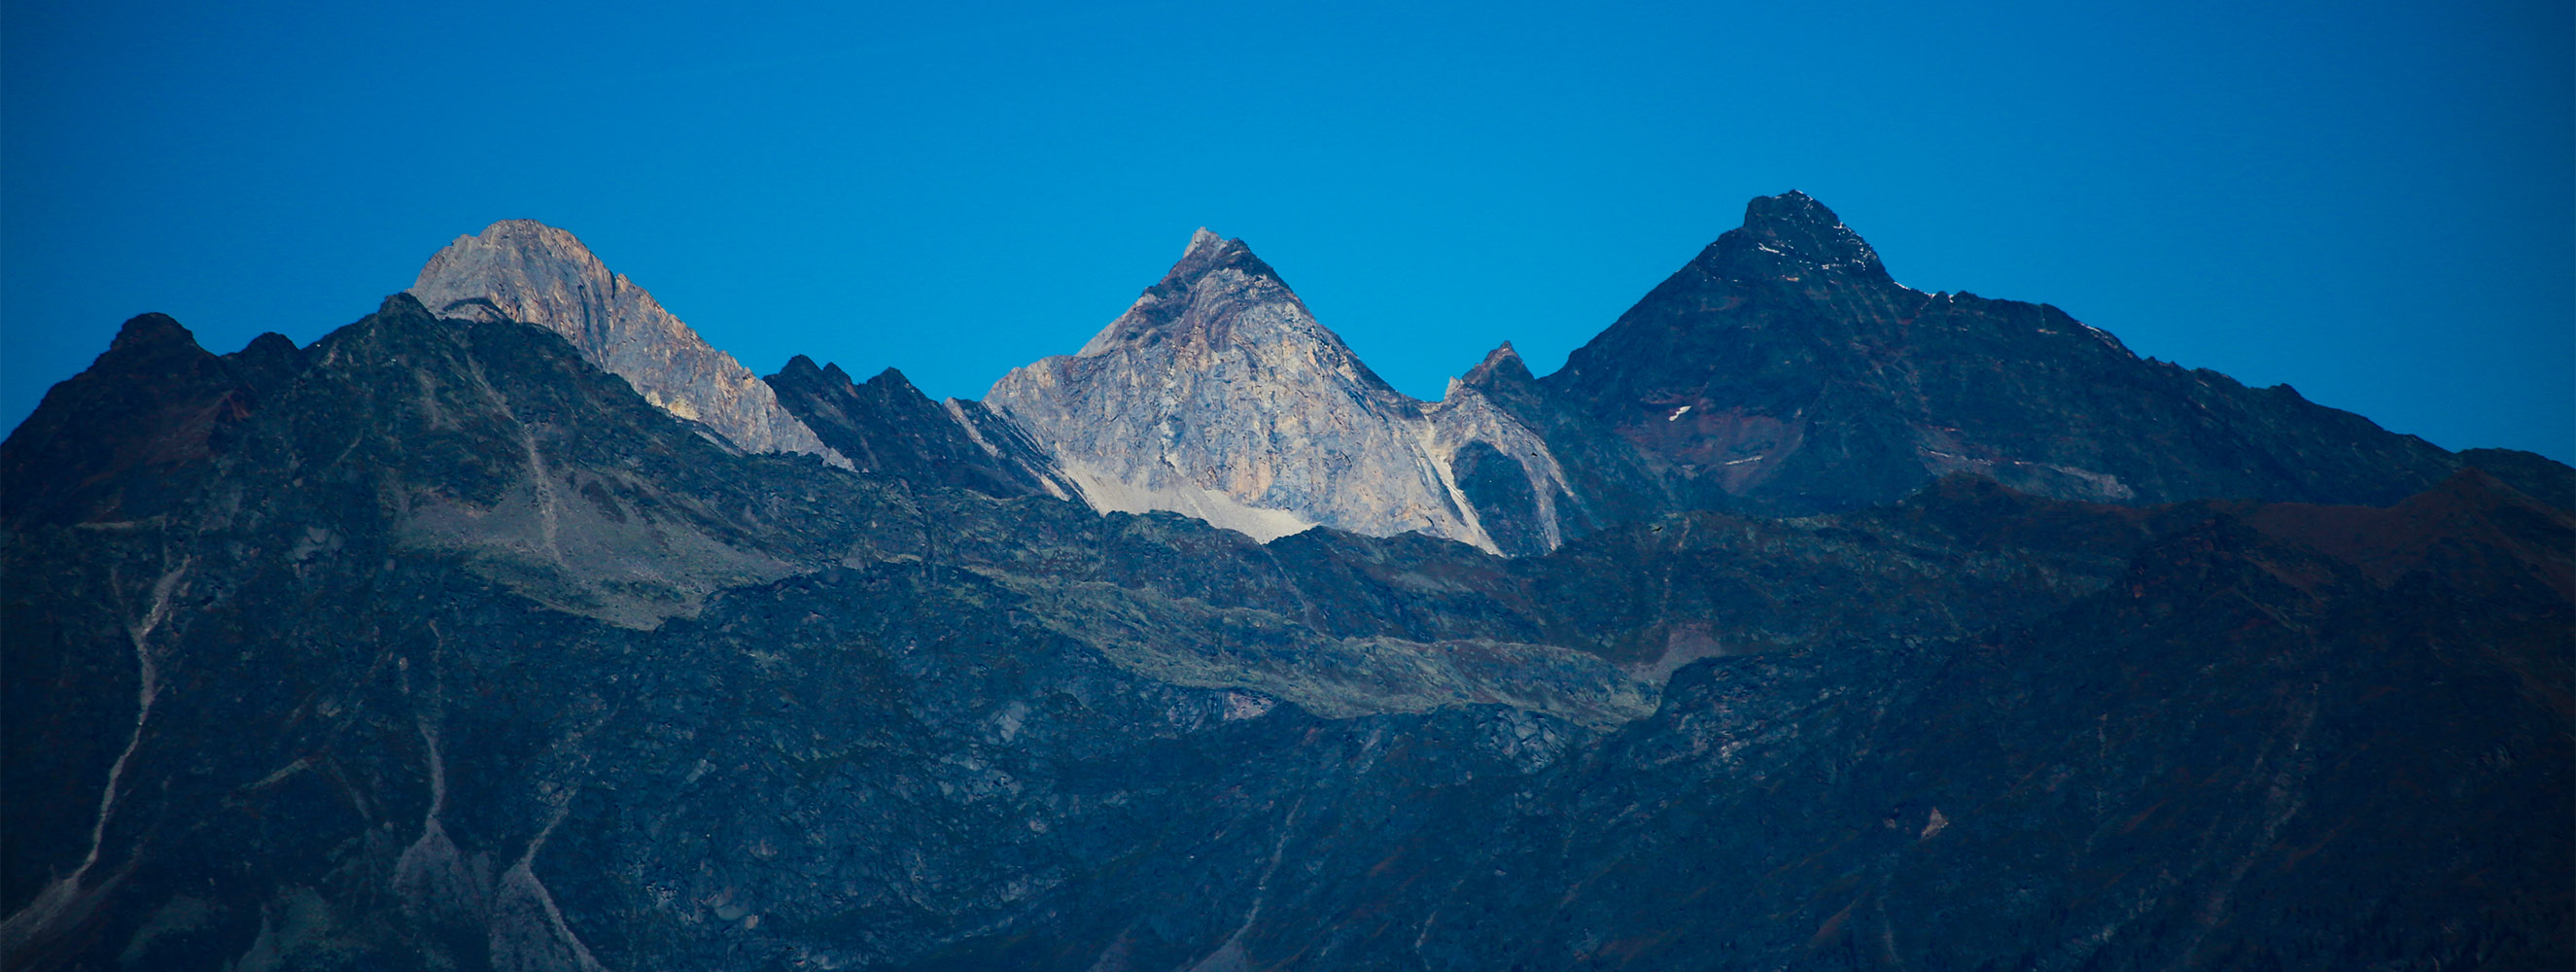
528,271
1218,395
1469,426
890,429
1010,445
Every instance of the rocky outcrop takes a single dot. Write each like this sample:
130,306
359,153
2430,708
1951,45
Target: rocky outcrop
1218,395
889,428
1510,481
527,271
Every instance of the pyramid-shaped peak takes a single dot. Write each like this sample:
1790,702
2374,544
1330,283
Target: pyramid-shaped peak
1217,394
1209,253
526,271
1202,265
1789,235
1502,367
893,379
1504,360
801,368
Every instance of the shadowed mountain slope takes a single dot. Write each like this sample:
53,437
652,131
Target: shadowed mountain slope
1783,369
887,427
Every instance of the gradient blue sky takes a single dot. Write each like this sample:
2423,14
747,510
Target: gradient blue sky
2374,202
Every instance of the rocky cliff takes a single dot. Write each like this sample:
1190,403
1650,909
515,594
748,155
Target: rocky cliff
889,428
1218,395
523,270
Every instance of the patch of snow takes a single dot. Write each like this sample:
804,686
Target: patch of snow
1107,494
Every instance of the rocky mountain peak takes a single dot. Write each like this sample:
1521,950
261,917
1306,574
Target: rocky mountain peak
1217,394
1215,274
802,368
1502,364
1208,253
150,330
527,271
526,236
1783,370
123,439
890,430
1788,236
1202,240
892,379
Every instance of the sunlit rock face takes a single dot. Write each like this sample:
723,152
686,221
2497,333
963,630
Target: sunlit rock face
527,271
1218,395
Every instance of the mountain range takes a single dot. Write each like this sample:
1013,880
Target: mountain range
1782,371
1802,620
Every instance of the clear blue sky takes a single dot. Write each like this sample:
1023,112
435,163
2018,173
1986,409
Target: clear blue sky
2374,202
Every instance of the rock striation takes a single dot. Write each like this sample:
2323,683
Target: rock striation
527,271
889,428
1218,395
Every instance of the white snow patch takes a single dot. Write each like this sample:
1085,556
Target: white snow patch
1107,494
